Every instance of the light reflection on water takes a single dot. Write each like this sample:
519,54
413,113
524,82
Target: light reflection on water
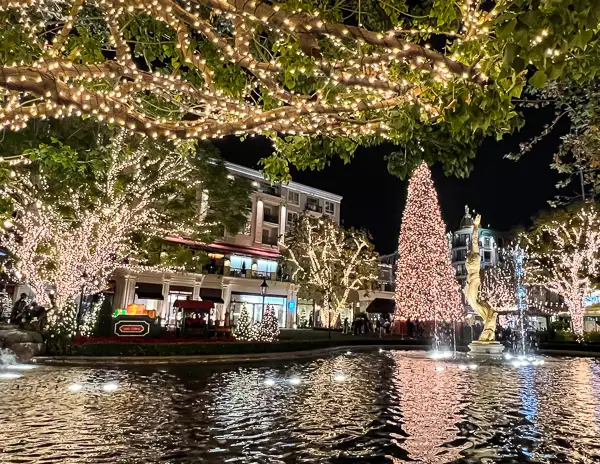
387,407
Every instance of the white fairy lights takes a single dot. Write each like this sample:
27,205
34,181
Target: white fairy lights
331,262
113,90
60,255
563,258
426,285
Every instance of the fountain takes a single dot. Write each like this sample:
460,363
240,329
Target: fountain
486,346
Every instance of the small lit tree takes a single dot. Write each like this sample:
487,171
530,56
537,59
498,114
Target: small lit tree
268,328
426,285
330,261
244,330
563,258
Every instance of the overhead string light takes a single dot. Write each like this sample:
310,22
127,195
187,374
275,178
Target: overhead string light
55,84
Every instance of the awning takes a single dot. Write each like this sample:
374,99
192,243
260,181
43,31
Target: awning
149,295
193,304
211,294
149,291
214,299
382,306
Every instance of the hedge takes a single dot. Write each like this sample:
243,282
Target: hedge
215,348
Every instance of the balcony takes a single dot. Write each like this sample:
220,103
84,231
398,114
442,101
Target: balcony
313,207
266,240
272,218
272,190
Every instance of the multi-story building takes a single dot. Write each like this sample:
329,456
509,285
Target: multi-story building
490,242
245,266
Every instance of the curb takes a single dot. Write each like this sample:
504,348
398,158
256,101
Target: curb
215,359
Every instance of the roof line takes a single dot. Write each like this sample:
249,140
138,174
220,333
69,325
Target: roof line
291,185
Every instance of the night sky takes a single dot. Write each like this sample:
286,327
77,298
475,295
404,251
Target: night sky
506,193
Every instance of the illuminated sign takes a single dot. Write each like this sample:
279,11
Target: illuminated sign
291,305
132,328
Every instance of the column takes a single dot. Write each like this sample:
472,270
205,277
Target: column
291,314
196,290
282,223
226,295
163,307
259,221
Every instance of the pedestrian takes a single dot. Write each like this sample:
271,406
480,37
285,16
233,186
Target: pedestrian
378,327
19,308
345,325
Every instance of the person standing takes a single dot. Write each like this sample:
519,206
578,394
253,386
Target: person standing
19,308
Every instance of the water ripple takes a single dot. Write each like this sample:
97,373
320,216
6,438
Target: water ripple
359,408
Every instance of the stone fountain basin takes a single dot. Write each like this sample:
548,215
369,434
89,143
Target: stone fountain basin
23,343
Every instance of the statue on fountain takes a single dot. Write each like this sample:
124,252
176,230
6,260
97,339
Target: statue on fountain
486,344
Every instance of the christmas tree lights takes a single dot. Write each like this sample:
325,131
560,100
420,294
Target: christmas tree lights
426,285
268,328
244,329
563,258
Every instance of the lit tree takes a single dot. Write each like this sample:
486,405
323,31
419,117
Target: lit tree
268,328
347,73
330,261
244,330
66,241
426,285
563,258
501,284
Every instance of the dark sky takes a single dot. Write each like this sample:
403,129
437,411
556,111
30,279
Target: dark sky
506,193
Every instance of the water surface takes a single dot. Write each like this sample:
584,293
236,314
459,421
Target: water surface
374,407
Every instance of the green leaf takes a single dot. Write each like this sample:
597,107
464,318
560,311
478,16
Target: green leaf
510,53
504,30
539,79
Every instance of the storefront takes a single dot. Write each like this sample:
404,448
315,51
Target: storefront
254,305
305,315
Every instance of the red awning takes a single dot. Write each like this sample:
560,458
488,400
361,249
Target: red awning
194,304
229,248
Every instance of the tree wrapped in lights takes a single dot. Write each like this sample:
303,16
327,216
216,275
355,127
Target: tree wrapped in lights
209,68
244,329
426,285
268,328
330,261
68,239
563,258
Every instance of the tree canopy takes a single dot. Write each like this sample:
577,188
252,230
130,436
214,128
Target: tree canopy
319,77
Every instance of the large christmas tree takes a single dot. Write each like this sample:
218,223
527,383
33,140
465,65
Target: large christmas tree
426,285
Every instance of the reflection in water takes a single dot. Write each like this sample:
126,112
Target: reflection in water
344,409
430,399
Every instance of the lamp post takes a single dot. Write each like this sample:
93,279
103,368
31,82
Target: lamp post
264,286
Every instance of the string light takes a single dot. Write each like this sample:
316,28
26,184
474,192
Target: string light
268,328
563,258
330,261
117,90
60,254
426,285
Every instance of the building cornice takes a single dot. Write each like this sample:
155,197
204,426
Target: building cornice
295,186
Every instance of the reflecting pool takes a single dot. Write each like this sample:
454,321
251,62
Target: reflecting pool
372,407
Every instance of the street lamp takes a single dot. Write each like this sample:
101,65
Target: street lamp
264,286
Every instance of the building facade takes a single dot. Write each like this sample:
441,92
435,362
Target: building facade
245,268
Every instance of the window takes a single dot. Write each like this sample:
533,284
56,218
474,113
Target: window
460,255
292,219
246,229
461,270
329,207
487,256
486,242
293,197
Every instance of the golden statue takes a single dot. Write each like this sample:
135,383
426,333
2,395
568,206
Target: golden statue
481,307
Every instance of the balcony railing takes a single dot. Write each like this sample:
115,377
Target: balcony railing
269,240
314,207
272,218
270,190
